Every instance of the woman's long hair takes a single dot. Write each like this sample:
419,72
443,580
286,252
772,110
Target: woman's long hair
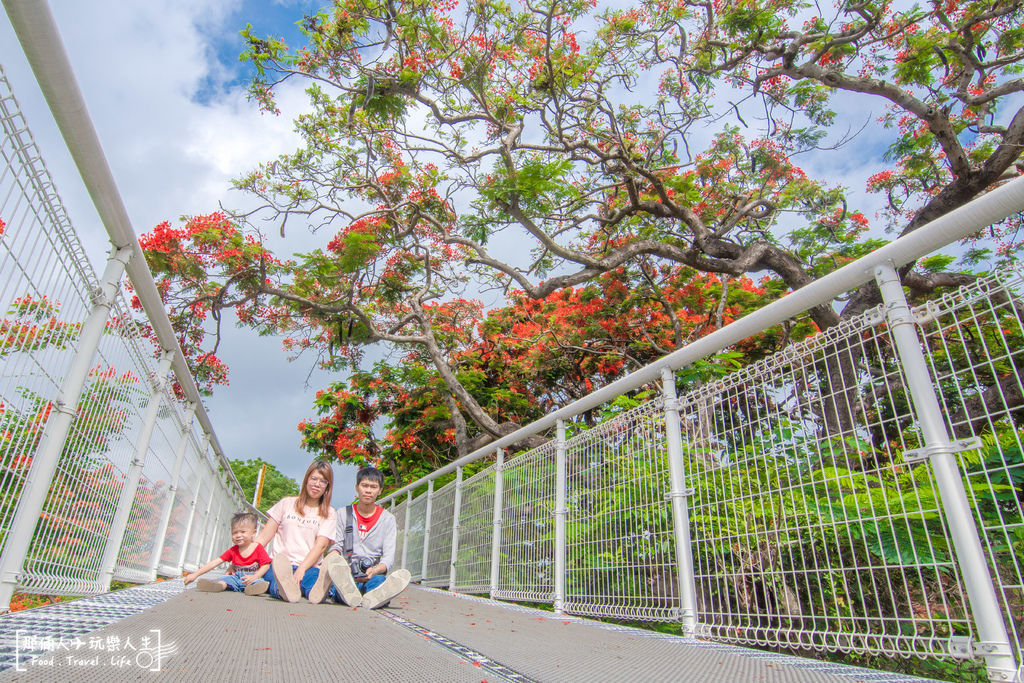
324,503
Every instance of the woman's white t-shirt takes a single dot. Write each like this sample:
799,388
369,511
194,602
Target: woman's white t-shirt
296,534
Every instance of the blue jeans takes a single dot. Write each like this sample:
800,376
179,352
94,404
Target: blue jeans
234,581
373,582
308,579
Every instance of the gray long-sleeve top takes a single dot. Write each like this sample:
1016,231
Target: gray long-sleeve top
379,543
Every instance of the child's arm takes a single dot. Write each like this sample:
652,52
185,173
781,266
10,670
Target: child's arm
202,570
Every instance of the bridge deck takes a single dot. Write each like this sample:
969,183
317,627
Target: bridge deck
425,635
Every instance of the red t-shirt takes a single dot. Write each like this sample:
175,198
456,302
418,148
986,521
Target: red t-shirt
364,524
251,562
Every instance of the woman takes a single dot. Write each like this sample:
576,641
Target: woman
301,527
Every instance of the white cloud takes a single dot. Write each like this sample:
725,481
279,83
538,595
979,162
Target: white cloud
175,131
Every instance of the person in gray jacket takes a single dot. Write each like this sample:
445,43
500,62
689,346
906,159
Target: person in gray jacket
360,563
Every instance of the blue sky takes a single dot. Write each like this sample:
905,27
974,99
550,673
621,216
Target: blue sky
268,18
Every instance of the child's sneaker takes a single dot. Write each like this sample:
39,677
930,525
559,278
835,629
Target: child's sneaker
287,586
392,586
209,586
341,576
257,588
319,590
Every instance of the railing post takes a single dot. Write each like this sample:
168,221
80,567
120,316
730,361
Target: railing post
685,583
499,506
55,433
190,525
118,527
183,554
204,531
426,529
215,526
994,642
172,490
456,511
561,512
405,534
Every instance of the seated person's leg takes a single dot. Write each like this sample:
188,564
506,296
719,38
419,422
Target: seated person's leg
372,583
380,596
343,588
308,579
271,585
233,582
284,586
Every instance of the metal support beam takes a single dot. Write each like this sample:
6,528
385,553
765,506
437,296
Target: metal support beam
499,505
426,529
686,584
119,525
215,526
456,511
561,511
970,554
204,531
201,470
65,408
405,533
172,489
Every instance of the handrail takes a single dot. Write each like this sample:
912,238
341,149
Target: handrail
972,217
40,39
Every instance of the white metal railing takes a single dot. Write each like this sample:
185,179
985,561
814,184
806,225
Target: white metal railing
104,471
861,491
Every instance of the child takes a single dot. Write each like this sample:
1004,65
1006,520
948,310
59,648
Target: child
249,561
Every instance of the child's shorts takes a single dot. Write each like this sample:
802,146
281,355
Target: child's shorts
234,582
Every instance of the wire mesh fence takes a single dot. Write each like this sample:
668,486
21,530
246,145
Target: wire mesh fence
412,542
527,548
975,342
136,552
439,549
93,506
620,551
809,527
476,533
815,519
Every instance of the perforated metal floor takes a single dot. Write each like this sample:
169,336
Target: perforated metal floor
427,635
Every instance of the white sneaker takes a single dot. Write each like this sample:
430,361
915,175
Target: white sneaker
341,576
209,586
323,584
287,586
392,586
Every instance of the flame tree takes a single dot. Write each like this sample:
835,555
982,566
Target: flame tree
540,146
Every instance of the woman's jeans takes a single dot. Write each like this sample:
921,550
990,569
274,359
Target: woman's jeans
308,579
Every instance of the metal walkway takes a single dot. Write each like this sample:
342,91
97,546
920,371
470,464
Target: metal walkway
427,634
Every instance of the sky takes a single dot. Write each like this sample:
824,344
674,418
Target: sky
166,93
